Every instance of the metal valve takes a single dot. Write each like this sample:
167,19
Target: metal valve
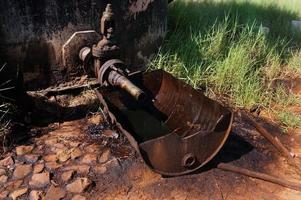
107,66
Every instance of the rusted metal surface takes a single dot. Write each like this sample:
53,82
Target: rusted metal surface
103,58
178,130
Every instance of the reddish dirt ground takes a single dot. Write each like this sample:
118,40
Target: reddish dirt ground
80,159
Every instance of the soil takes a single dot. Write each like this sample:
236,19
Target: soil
105,166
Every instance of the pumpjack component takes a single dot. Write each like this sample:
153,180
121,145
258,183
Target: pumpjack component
175,128
178,130
107,67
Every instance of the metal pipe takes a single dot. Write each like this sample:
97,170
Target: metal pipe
261,176
121,81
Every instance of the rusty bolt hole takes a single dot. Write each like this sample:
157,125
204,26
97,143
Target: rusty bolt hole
188,160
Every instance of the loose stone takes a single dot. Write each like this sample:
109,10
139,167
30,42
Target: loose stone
89,158
93,148
51,142
31,158
40,180
22,171
2,172
13,185
6,162
50,158
35,195
75,153
66,176
52,166
96,119
3,179
63,155
104,156
74,144
79,185
112,163
100,169
15,194
21,150
80,169
55,193
38,168
3,194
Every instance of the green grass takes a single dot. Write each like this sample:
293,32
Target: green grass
289,119
219,45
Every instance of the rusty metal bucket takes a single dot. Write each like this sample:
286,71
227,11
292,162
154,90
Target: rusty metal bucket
178,130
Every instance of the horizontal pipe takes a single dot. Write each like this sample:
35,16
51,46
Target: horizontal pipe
261,176
121,81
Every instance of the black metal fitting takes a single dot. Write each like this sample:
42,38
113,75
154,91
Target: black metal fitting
107,66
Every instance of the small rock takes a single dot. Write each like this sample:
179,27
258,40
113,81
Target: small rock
59,146
13,185
75,153
38,168
52,166
93,148
110,134
55,193
6,162
80,169
63,155
3,194
74,144
79,185
21,150
2,172
89,158
22,171
40,180
50,158
100,169
35,195
50,142
39,150
112,163
31,158
96,119
78,197
104,156
66,176
3,179
15,194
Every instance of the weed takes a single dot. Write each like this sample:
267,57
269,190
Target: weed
219,44
289,119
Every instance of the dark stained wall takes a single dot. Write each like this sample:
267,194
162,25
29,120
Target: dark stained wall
32,32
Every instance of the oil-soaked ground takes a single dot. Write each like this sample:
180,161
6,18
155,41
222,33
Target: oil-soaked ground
83,159
102,166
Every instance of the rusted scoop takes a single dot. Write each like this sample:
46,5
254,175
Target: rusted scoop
177,130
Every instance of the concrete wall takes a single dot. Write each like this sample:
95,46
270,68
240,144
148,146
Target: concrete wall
33,31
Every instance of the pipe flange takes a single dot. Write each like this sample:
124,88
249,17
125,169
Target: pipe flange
114,64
